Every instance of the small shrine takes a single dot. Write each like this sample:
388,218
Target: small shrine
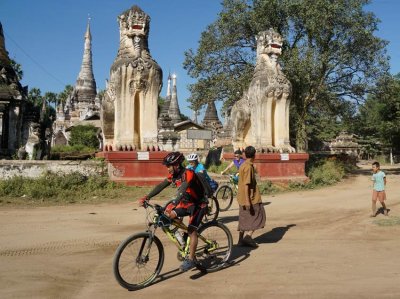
345,143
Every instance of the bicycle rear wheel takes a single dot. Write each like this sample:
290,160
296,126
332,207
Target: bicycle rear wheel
214,246
212,210
138,260
225,197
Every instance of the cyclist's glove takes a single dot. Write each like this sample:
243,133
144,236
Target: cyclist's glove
142,200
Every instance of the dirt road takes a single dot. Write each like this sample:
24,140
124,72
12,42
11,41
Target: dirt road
317,244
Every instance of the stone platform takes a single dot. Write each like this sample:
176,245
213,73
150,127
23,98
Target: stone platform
135,168
279,168
145,168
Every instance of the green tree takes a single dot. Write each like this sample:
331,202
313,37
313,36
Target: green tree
378,121
35,96
330,54
51,98
17,69
325,122
85,135
62,96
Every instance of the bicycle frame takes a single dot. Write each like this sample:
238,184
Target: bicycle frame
176,224
232,182
169,229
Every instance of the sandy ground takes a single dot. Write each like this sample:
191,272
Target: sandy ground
316,244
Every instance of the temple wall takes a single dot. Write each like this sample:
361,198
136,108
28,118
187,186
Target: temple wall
33,169
186,144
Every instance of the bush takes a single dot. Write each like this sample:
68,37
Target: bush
71,148
49,186
13,186
324,171
78,152
327,173
295,185
84,135
267,187
218,168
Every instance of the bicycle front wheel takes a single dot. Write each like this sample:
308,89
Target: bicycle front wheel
212,210
214,246
225,197
138,261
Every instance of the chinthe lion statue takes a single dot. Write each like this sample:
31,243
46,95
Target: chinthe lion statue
261,117
129,108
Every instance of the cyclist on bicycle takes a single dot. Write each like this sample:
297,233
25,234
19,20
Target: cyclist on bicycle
197,167
236,162
189,200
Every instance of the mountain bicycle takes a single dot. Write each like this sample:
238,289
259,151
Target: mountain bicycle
139,259
225,193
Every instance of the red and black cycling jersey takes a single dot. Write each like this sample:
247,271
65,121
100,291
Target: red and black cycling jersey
189,187
189,198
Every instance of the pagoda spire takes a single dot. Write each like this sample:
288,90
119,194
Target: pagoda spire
4,59
174,111
211,113
211,120
85,84
169,87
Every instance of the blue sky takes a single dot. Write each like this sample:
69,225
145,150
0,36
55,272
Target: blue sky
47,36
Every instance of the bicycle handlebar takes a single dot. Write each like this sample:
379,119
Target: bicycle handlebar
158,208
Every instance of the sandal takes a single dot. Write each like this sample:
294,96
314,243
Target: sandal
247,240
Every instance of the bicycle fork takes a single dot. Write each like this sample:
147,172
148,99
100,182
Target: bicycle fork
144,251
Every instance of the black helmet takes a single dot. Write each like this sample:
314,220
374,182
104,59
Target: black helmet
238,152
173,158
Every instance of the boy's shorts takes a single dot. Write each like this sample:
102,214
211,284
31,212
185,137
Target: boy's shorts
378,195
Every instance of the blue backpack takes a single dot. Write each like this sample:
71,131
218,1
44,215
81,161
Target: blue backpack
208,187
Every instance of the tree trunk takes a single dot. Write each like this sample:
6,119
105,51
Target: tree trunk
301,134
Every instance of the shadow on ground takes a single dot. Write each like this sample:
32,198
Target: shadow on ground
274,235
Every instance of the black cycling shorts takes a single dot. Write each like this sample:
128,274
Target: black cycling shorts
195,212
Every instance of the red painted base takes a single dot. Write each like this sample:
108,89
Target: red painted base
135,168
280,168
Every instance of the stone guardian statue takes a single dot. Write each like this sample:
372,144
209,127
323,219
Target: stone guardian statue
261,117
129,108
